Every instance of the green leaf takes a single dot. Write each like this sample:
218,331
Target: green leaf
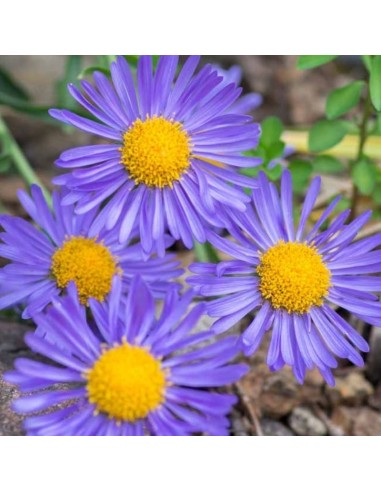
72,71
367,60
155,60
326,164
326,134
259,151
132,60
378,124
10,87
104,61
270,146
375,82
376,195
276,150
272,129
343,204
90,70
274,173
252,172
364,175
5,162
301,171
205,253
344,99
305,62
40,112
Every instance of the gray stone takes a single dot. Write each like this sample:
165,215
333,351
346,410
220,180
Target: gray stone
375,400
367,423
240,426
360,421
12,336
10,422
11,346
304,423
273,428
352,390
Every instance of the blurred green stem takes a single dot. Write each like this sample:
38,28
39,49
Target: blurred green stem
362,140
19,160
205,253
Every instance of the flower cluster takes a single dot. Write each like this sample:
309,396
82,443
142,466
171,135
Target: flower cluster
92,269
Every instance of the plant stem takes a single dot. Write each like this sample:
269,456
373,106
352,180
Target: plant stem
19,160
205,253
362,141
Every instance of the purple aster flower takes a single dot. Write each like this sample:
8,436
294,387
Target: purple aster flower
126,373
64,247
174,150
248,102
290,278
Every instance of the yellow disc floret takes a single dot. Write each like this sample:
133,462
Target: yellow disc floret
126,383
293,277
156,151
87,263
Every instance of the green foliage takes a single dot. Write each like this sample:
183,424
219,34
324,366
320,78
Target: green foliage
342,100
375,82
272,129
376,195
274,172
301,171
72,69
9,87
343,204
5,162
326,164
132,60
275,151
367,60
305,62
325,135
270,147
205,253
102,65
364,174
105,61
12,94
37,111
377,128
12,153
88,71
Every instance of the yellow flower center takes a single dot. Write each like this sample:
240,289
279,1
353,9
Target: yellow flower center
88,263
293,277
156,151
126,383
